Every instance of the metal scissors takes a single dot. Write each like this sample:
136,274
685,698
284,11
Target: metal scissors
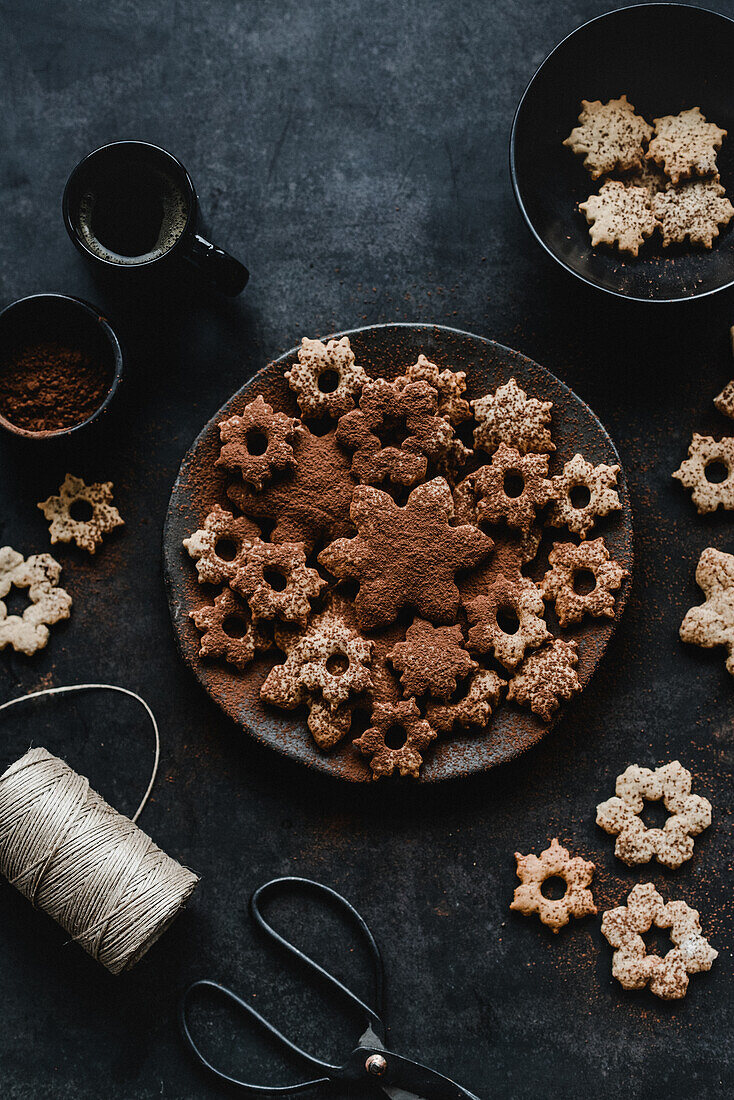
400,1078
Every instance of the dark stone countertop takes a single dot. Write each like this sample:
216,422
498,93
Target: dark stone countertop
355,156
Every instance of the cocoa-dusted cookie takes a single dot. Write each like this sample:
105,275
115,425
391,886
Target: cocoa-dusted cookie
47,603
310,504
276,581
409,412
431,659
555,862
518,547
620,214
483,693
545,677
609,136
220,545
326,378
415,734
689,815
693,211
724,401
509,416
712,623
257,443
86,533
513,488
450,386
666,975
517,597
686,144
705,452
405,556
599,482
652,178
567,561
228,630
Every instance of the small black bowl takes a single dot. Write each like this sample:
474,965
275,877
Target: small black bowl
666,58
70,323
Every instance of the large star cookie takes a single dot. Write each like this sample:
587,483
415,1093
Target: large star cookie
620,215
405,557
610,135
686,144
509,416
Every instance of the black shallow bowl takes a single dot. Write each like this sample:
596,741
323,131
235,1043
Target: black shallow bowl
666,58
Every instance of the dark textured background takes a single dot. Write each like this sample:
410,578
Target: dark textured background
354,155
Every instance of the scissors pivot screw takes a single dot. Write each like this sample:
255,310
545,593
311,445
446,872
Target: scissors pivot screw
375,1065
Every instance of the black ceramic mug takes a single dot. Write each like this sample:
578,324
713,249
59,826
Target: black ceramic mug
131,205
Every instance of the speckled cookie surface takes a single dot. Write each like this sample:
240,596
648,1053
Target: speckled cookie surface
694,211
621,215
685,144
712,623
609,136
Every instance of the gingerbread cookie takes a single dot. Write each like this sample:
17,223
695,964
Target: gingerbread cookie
513,488
518,600
695,211
610,136
228,630
673,844
450,386
555,862
326,379
219,548
257,443
276,581
483,693
545,677
397,738
620,214
86,533
667,975
561,582
706,453
712,623
686,145
431,659
48,603
598,482
509,416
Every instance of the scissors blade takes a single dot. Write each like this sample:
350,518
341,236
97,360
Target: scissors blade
394,1092
422,1082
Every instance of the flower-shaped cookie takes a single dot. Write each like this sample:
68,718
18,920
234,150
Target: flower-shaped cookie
610,135
326,378
569,563
507,619
473,709
395,431
599,483
555,862
509,416
48,603
220,547
450,385
228,630
405,556
276,581
712,623
724,401
667,975
673,844
620,214
695,210
545,677
257,442
397,738
86,533
706,453
685,145
513,487
431,659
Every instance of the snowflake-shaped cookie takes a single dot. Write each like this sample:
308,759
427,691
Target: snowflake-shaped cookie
703,453
86,533
673,844
397,738
326,378
517,597
450,386
220,546
695,210
599,481
610,135
620,214
431,659
545,677
473,709
48,603
513,487
228,630
561,581
666,975
712,623
257,442
276,581
724,401
652,178
405,556
555,862
509,416
686,144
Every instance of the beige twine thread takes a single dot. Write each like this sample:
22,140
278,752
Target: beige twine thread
79,860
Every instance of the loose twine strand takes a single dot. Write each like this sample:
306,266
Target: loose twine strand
86,865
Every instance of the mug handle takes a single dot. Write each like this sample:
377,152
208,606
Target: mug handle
223,271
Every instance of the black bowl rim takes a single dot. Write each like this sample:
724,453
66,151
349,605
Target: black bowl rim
513,169
110,335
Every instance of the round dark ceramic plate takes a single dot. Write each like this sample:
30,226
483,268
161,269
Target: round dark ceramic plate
385,350
666,58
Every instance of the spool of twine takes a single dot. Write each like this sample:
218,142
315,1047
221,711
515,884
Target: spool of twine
86,865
